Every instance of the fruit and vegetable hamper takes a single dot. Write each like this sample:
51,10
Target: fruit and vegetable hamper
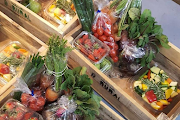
46,88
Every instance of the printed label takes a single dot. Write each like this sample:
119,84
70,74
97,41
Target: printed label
109,89
17,9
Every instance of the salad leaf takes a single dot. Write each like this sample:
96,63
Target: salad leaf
134,13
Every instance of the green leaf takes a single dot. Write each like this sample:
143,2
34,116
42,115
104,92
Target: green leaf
83,80
134,13
164,41
141,39
68,83
157,30
155,46
146,13
76,71
81,95
86,88
147,27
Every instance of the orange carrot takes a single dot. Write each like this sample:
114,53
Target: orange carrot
169,80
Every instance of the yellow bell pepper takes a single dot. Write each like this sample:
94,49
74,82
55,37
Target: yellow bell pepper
165,83
164,102
174,94
144,87
168,93
155,106
145,77
178,90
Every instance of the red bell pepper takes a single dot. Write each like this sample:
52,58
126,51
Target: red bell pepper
151,96
149,74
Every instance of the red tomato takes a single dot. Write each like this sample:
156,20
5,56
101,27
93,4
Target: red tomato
40,101
96,35
110,38
85,37
115,59
102,38
81,40
25,97
100,31
116,47
112,53
16,54
4,69
111,45
94,28
108,22
107,32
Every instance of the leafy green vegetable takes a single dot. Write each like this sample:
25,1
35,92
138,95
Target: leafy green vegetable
82,93
144,29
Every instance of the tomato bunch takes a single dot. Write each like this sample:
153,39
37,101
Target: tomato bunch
35,102
91,48
102,30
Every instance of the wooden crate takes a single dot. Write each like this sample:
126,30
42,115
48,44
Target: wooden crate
118,92
9,30
32,21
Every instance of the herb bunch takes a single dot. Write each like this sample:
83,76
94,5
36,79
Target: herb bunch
55,58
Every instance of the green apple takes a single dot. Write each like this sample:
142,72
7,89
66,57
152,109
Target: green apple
35,6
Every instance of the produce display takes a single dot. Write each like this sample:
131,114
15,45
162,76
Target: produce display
49,87
61,11
91,47
11,59
14,110
156,88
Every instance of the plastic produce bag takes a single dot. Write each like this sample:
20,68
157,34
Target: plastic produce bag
63,109
102,28
33,99
14,110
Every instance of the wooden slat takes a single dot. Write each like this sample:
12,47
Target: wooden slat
172,54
